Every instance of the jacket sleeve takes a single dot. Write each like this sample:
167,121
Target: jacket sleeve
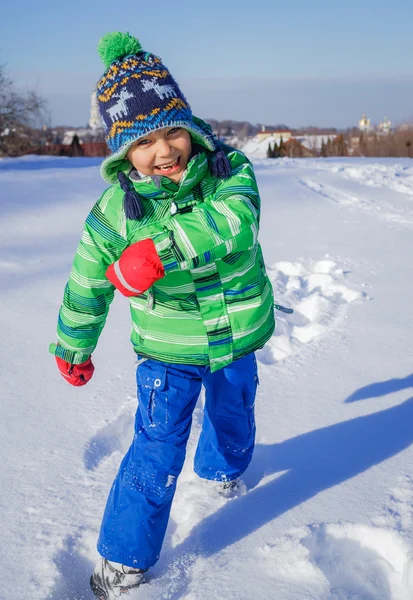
88,293
226,223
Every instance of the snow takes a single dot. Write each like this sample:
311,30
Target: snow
315,142
325,511
257,148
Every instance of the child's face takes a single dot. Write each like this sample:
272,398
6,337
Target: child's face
163,152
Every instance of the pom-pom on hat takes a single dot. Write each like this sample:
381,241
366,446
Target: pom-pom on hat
138,95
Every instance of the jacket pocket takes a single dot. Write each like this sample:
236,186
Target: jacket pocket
152,393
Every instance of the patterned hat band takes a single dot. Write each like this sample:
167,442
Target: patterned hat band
138,95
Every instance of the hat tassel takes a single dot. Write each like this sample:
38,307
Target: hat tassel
132,202
221,167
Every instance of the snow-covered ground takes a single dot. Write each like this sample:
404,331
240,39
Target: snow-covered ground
256,148
326,509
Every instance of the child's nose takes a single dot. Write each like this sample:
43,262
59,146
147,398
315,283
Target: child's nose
164,147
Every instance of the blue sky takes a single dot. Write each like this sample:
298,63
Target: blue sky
297,62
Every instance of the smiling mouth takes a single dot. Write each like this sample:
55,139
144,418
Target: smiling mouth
172,167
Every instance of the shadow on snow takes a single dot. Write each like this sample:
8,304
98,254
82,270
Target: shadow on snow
313,462
75,571
309,463
382,388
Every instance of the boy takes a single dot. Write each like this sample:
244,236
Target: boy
176,233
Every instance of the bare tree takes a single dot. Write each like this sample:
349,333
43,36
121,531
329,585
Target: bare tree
22,115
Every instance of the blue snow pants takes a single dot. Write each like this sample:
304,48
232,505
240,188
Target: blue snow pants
139,503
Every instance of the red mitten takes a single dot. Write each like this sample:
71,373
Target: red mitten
137,269
76,374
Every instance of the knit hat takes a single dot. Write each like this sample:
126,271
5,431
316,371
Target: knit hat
136,96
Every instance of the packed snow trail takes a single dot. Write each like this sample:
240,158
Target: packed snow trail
327,504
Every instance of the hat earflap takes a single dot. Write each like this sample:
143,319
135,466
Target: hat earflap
218,160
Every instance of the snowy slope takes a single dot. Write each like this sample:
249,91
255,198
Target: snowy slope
326,508
256,148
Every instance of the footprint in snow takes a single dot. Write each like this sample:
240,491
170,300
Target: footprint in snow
350,561
114,436
342,562
318,293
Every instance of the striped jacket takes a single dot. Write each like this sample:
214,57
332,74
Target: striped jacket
215,303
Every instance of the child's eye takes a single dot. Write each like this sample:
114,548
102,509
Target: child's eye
142,142
174,130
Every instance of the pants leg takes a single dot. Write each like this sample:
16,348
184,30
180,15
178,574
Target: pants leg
227,439
139,503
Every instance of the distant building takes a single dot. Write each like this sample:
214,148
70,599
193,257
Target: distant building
275,134
95,120
364,123
385,126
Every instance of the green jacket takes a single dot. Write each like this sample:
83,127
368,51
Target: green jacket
215,303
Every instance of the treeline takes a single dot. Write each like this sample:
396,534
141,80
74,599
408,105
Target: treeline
397,143
22,115
334,147
241,129
293,148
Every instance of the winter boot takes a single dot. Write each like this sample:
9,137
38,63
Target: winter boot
229,489
112,580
